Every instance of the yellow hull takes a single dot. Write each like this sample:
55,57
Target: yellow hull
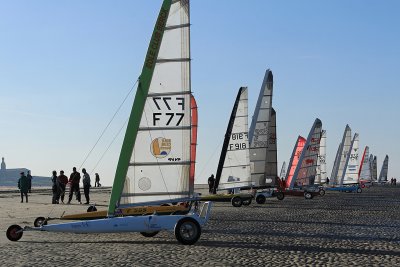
134,211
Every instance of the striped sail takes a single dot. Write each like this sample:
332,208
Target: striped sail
294,160
262,137
343,154
234,168
384,171
365,170
321,162
350,174
304,174
158,169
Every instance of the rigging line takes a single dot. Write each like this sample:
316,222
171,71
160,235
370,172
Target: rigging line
101,135
210,158
115,137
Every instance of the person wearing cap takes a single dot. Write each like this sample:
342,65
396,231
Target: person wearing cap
23,185
62,182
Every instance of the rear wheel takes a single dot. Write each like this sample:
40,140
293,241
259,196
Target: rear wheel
260,199
14,232
322,192
149,234
280,195
307,195
237,201
91,208
39,221
359,190
246,202
187,231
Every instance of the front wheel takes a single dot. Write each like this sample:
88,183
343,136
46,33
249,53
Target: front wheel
91,208
149,234
39,221
237,201
187,231
260,199
280,195
359,190
307,195
14,232
322,192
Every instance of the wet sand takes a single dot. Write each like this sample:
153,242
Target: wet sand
339,229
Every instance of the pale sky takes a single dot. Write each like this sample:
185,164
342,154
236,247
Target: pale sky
66,66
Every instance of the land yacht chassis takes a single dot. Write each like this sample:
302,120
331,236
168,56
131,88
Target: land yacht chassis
186,227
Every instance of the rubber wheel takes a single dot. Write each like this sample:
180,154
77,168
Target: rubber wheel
260,199
13,234
247,202
149,234
39,221
322,192
187,231
237,201
359,190
91,208
307,195
280,195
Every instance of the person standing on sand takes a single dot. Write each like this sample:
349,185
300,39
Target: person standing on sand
55,196
86,185
74,180
29,176
23,185
62,182
211,181
97,180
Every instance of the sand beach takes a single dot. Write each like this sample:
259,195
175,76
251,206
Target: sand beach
339,229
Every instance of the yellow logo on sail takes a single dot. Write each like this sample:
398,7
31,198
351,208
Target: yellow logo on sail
160,147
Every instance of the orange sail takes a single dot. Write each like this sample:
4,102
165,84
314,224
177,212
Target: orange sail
294,160
193,142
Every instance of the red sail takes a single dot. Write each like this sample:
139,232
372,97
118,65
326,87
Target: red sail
193,142
295,159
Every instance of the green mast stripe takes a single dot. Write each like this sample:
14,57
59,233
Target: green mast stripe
138,106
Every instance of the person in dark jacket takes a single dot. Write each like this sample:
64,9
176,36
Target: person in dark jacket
55,196
29,176
74,180
62,183
211,181
23,185
97,180
86,185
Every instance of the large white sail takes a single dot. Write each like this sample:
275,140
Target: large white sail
235,171
350,174
343,154
335,167
306,169
321,162
384,171
263,170
159,165
365,170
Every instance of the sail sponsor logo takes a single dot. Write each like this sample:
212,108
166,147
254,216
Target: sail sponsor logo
144,183
156,39
309,161
160,147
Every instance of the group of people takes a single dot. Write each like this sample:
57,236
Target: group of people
25,185
393,181
60,183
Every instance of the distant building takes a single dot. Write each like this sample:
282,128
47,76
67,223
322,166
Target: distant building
9,177
11,173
